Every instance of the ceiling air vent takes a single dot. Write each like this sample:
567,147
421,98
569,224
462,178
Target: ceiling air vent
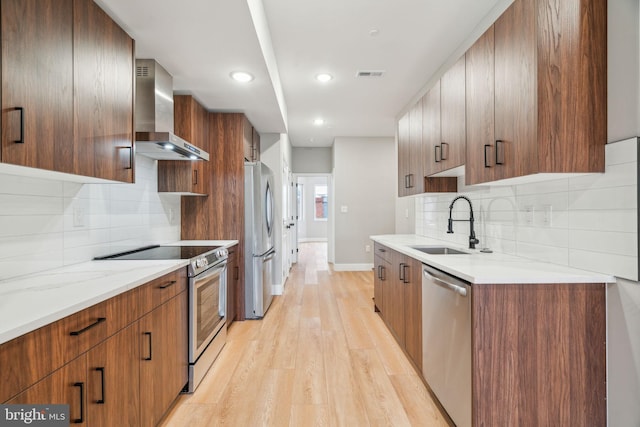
370,73
142,71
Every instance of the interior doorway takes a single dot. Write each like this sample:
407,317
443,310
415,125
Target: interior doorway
313,208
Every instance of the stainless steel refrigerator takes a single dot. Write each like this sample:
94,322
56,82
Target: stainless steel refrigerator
259,238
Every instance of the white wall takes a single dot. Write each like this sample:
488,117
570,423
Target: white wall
310,229
365,183
37,230
311,160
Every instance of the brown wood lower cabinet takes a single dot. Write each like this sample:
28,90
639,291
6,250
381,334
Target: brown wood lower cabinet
129,376
67,385
113,380
163,370
539,355
400,290
233,282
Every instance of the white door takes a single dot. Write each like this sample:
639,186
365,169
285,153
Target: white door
294,204
286,230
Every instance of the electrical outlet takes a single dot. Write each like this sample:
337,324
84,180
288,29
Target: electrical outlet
172,215
528,214
406,213
547,215
344,209
78,216
367,248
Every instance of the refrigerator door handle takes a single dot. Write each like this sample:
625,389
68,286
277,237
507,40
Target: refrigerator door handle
269,255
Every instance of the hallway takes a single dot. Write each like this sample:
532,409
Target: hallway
320,357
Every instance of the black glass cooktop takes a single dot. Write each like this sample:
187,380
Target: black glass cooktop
162,252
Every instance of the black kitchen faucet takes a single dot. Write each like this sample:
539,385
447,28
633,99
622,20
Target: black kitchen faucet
472,234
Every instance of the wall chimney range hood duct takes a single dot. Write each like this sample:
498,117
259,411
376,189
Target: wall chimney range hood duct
154,116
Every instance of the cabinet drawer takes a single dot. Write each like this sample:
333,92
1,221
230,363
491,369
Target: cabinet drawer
161,290
32,356
383,252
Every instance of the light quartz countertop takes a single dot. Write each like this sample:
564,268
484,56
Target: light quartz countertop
35,300
488,268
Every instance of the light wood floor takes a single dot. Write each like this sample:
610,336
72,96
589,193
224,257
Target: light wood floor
320,357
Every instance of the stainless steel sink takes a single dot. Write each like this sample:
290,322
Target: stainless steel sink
439,250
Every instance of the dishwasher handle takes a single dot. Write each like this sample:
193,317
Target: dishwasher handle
460,290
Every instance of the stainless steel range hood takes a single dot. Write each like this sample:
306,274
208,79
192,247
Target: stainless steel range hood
154,116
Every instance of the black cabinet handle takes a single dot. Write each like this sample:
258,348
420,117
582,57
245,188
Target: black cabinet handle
86,328
101,401
236,273
150,346
81,419
195,176
405,278
167,285
442,156
499,158
437,153
382,250
401,272
486,157
130,166
21,140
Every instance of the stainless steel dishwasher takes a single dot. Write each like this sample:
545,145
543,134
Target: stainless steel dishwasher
446,341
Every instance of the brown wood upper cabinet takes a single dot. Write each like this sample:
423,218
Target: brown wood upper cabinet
443,121
191,122
67,89
543,68
251,143
410,152
103,66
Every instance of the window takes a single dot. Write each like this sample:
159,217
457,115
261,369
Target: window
320,211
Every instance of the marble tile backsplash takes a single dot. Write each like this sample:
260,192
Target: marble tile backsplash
588,222
46,224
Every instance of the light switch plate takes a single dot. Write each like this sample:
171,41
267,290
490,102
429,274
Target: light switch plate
344,209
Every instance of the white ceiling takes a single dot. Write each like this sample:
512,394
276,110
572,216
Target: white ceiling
200,42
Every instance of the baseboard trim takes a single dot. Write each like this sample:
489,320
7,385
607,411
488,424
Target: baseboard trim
352,267
277,289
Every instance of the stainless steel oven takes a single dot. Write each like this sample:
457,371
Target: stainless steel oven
207,322
207,271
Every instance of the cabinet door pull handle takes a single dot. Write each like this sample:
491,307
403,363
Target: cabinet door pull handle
401,272
499,158
437,153
81,419
404,273
486,157
130,157
442,156
167,285
236,273
101,401
382,250
21,140
383,275
195,177
86,328
406,181
410,180
150,346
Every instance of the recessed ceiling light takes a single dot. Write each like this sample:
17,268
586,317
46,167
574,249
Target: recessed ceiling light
324,77
318,122
241,76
